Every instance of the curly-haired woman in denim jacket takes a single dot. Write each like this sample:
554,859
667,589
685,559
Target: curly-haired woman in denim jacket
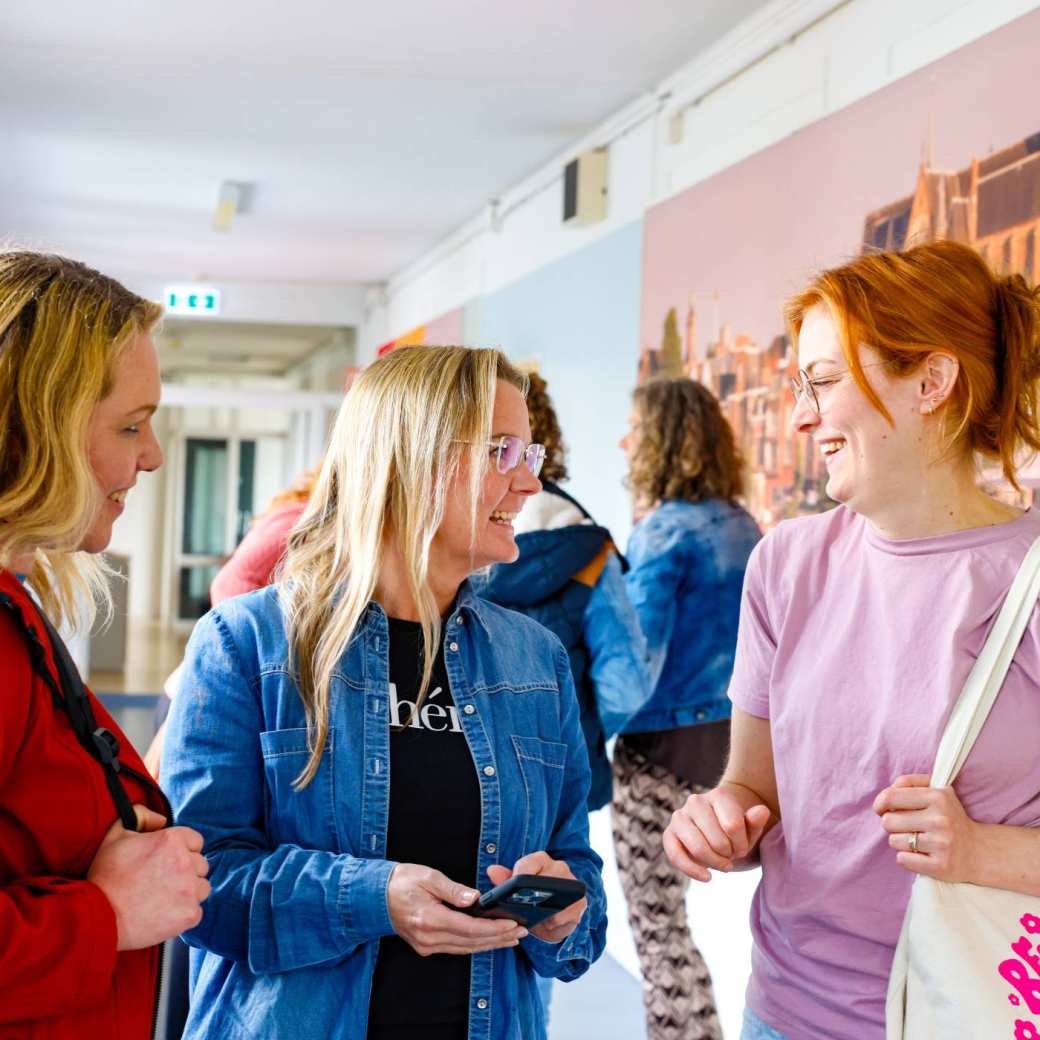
687,555
367,744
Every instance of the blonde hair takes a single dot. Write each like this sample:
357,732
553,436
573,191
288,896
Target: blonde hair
942,296
63,326
406,426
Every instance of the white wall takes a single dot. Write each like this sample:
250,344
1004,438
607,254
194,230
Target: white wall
277,303
801,60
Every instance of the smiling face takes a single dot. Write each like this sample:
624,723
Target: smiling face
120,439
502,496
868,459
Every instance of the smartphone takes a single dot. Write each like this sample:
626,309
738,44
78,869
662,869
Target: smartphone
528,898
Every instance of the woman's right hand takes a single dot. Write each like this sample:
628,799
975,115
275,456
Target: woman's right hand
154,877
417,898
715,829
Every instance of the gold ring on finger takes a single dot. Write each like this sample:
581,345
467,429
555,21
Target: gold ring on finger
913,841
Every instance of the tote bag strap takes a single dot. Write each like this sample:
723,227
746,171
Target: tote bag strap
989,671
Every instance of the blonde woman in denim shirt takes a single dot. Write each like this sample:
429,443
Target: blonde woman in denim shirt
367,744
687,555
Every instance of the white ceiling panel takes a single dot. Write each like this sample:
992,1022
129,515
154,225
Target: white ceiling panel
369,130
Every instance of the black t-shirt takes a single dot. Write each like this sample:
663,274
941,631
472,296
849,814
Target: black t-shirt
435,821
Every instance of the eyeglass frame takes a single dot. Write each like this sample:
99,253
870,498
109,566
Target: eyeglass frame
497,445
804,380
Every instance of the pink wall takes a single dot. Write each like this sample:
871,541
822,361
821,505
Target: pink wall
756,231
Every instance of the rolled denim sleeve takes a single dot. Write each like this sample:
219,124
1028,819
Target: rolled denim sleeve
274,906
618,660
569,842
656,570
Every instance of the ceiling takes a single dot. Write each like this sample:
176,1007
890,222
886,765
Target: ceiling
242,348
369,130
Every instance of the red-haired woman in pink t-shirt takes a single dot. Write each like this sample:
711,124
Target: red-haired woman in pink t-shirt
858,629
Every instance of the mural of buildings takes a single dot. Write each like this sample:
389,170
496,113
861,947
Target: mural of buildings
993,205
752,383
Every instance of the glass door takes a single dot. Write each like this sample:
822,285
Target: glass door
226,482
204,522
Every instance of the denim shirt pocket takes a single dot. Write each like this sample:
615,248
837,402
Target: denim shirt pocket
307,816
542,764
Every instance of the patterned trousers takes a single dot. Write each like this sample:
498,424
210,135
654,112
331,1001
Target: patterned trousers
677,992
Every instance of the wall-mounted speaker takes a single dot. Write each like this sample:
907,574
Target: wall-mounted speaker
585,188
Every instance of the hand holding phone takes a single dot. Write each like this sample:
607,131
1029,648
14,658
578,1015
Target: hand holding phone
556,928
428,911
528,899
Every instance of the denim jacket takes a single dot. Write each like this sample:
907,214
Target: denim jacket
289,937
687,562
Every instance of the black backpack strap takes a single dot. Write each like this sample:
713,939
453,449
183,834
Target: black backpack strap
70,695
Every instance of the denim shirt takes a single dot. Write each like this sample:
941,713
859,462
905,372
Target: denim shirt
687,562
289,937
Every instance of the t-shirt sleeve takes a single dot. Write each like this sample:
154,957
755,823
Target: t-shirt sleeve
756,641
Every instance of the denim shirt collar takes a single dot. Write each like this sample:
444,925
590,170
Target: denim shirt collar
467,602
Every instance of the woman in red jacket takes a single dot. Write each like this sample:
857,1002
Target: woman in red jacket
91,876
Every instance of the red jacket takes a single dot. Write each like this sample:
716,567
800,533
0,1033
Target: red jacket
60,975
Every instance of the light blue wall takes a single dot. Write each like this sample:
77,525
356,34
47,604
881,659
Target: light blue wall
579,317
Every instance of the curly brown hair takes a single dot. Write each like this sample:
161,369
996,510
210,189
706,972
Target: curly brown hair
545,429
685,448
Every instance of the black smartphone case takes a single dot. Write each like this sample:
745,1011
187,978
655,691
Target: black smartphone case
528,898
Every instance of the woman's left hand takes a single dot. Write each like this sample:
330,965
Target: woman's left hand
556,928
947,840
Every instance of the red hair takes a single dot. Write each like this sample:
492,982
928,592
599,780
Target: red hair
942,296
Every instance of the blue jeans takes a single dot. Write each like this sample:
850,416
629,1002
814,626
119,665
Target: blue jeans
756,1029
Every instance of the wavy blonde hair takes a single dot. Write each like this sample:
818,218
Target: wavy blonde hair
63,326
409,423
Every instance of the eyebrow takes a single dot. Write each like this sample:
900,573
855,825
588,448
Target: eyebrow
145,409
820,361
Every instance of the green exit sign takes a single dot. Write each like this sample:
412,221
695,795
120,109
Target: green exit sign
199,300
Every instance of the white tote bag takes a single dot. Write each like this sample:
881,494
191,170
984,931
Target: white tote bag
967,966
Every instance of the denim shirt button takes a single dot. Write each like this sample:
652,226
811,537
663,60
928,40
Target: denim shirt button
700,715
491,848
458,619
453,647
489,770
468,710
482,1004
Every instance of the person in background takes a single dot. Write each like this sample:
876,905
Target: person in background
568,577
396,742
858,630
687,553
92,879
254,562
252,565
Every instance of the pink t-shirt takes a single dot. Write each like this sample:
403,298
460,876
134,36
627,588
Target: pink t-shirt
856,647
